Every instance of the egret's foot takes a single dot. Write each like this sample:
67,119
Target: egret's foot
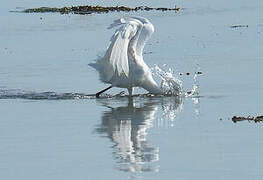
97,95
122,93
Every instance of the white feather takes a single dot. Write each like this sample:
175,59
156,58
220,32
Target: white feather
123,65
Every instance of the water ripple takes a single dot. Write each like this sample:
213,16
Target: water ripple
49,95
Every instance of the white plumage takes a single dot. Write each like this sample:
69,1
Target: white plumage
122,65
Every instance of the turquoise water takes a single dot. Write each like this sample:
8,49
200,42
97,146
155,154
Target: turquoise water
142,138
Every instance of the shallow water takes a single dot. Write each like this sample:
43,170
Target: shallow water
140,138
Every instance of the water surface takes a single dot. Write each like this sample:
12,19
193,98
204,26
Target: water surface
143,137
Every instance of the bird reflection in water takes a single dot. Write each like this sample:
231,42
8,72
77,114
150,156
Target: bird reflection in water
127,127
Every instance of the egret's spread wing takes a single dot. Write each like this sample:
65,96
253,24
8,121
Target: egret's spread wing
117,52
127,42
145,33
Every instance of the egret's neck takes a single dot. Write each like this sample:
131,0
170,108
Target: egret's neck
152,87
139,49
144,36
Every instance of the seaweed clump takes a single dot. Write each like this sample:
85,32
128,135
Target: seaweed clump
256,119
96,9
238,26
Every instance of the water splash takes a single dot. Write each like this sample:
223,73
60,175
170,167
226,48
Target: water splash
194,92
169,84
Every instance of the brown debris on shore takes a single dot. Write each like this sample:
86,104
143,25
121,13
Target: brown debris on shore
256,119
96,9
239,26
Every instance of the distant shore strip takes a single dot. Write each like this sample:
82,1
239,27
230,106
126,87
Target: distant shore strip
96,9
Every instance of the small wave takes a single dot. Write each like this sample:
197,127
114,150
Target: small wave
50,95
21,94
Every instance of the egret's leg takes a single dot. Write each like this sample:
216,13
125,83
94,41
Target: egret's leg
98,94
130,90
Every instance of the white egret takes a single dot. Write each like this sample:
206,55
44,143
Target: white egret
122,65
